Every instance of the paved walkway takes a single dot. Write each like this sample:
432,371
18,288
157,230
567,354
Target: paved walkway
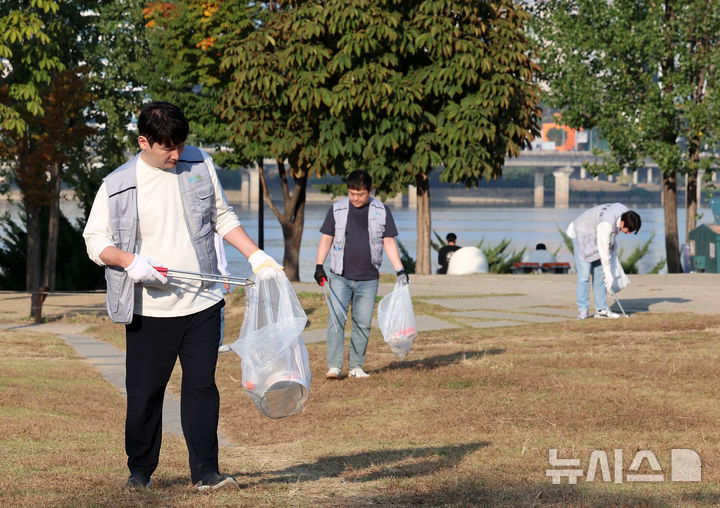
487,300
473,301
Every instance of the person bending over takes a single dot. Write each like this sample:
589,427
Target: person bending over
593,235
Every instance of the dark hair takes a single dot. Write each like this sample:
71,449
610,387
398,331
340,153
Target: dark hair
540,246
164,123
359,180
631,220
451,237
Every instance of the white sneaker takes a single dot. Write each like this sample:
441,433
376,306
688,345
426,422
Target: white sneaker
357,372
214,481
333,373
606,313
582,314
224,348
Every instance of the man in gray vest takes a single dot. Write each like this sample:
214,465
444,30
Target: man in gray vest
358,229
162,208
594,234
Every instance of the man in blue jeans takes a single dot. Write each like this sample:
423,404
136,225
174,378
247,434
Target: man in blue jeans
358,229
594,234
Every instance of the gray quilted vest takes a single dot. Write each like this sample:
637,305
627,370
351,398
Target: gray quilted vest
376,230
586,228
198,199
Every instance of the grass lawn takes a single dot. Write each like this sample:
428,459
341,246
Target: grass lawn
467,419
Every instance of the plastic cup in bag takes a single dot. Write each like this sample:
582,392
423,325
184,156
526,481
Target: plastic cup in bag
280,387
285,395
275,362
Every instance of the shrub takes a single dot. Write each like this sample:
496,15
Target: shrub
75,271
407,261
499,259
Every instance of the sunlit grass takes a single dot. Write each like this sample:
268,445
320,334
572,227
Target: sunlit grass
466,419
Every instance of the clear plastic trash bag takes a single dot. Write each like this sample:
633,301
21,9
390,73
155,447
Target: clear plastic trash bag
396,320
275,363
620,279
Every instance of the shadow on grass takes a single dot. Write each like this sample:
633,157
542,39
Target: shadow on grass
374,465
487,491
446,489
438,361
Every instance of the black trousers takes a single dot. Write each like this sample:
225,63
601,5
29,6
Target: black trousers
153,346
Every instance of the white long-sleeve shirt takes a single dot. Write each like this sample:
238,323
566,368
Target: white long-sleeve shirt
162,236
604,232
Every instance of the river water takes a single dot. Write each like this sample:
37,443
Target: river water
523,226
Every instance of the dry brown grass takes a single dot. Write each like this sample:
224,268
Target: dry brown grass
466,420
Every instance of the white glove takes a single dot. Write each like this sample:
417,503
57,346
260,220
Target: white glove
609,281
141,271
260,260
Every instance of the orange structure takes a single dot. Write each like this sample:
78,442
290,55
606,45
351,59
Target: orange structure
563,136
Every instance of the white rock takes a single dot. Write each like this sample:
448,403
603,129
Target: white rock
467,260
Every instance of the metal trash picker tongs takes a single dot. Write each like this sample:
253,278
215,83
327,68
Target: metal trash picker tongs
205,277
618,302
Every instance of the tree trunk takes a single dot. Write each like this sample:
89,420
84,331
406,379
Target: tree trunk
691,204
292,219
668,135
695,143
691,191
292,237
50,263
672,250
33,254
422,264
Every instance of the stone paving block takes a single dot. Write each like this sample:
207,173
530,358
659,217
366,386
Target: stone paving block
456,303
429,323
426,323
311,336
489,302
553,311
492,324
512,316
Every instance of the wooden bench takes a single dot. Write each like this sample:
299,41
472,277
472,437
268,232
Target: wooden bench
519,267
555,267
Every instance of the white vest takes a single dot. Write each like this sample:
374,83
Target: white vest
586,228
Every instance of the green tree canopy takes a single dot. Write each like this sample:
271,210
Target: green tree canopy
29,55
394,88
45,94
117,56
645,73
188,38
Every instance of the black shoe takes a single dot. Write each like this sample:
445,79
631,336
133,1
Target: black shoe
138,481
216,481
